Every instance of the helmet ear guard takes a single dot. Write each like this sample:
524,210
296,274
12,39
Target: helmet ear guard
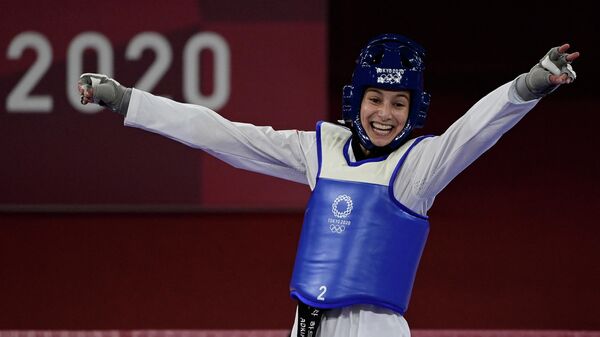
421,115
347,104
389,62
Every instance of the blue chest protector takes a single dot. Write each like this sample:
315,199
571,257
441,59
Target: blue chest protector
358,244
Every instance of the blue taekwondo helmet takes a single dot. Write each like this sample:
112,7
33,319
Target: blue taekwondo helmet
389,62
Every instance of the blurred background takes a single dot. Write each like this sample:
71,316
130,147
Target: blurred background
107,227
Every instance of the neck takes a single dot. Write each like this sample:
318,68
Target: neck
362,153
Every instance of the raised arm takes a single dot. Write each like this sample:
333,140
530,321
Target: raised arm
438,160
259,149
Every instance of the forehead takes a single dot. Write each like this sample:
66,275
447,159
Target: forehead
389,93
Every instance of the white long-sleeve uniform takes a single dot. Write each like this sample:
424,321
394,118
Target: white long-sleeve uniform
292,155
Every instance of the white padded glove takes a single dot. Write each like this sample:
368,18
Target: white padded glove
536,83
104,91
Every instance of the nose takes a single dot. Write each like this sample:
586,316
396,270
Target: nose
385,110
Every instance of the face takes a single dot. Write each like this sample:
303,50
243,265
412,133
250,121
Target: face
383,114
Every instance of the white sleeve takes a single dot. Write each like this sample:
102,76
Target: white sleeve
284,154
435,161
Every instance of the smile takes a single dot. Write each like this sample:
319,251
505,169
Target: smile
382,129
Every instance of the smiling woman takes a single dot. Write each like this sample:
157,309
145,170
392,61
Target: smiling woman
366,223
383,115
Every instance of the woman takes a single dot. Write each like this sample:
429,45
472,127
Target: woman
366,222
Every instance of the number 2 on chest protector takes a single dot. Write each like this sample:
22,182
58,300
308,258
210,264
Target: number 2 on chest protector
321,296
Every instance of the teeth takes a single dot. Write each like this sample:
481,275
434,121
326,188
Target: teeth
381,126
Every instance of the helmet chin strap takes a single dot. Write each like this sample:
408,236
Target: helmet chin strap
359,133
364,149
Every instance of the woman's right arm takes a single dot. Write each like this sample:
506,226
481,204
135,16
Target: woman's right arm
260,149
287,154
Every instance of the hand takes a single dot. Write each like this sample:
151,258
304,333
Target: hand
105,91
553,70
563,77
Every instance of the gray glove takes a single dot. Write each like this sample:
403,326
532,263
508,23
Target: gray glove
106,92
536,83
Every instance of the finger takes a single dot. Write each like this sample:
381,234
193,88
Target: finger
564,48
559,79
572,57
85,90
555,79
86,93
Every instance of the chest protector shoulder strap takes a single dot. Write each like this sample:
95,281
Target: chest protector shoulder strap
358,244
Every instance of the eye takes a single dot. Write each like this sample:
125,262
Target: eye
374,99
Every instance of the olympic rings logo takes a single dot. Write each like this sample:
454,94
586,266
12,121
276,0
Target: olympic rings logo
337,228
345,213
389,78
